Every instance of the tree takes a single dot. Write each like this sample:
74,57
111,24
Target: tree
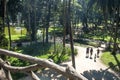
110,8
30,10
70,33
12,9
3,40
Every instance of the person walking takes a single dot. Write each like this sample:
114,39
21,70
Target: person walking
87,52
91,52
98,52
95,58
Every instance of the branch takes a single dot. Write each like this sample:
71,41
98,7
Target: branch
2,74
34,76
18,69
44,63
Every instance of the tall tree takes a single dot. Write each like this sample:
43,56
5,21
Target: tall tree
12,9
70,33
110,8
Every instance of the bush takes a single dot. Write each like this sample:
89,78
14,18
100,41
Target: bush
3,41
20,63
62,54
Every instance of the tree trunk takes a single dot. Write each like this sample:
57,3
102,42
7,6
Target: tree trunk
43,36
48,20
116,31
4,14
54,40
47,33
9,35
33,27
35,20
64,23
70,33
2,74
29,27
9,46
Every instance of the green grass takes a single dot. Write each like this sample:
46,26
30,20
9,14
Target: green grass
15,37
107,58
51,29
14,34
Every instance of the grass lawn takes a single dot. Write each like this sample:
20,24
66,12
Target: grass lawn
107,58
15,35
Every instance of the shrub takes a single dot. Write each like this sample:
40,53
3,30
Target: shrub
3,41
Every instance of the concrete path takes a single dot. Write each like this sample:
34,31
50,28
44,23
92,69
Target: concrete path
93,70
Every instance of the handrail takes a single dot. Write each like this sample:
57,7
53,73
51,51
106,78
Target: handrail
66,71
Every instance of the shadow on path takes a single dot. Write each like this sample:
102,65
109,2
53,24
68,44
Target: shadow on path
47,74
100,75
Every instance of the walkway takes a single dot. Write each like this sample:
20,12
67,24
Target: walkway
91,69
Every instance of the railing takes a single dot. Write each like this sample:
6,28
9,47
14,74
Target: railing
68,71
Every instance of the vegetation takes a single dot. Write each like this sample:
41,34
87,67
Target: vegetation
15,35
46,51
82,21
40,51
15,31
108,59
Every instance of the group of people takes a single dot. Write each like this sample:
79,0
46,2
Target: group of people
89,53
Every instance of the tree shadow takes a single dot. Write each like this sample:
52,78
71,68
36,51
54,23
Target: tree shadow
37,49
51,74
47,74
100,75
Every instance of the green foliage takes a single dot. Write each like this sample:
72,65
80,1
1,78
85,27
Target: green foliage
23,38
93,44
37,49
19,63
40,51
57,30
62,54
3,41
47,51
107,58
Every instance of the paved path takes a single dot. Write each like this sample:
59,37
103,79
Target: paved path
91,69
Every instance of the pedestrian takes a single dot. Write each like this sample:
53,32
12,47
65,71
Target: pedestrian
98,51
87,52
95,58
91,52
